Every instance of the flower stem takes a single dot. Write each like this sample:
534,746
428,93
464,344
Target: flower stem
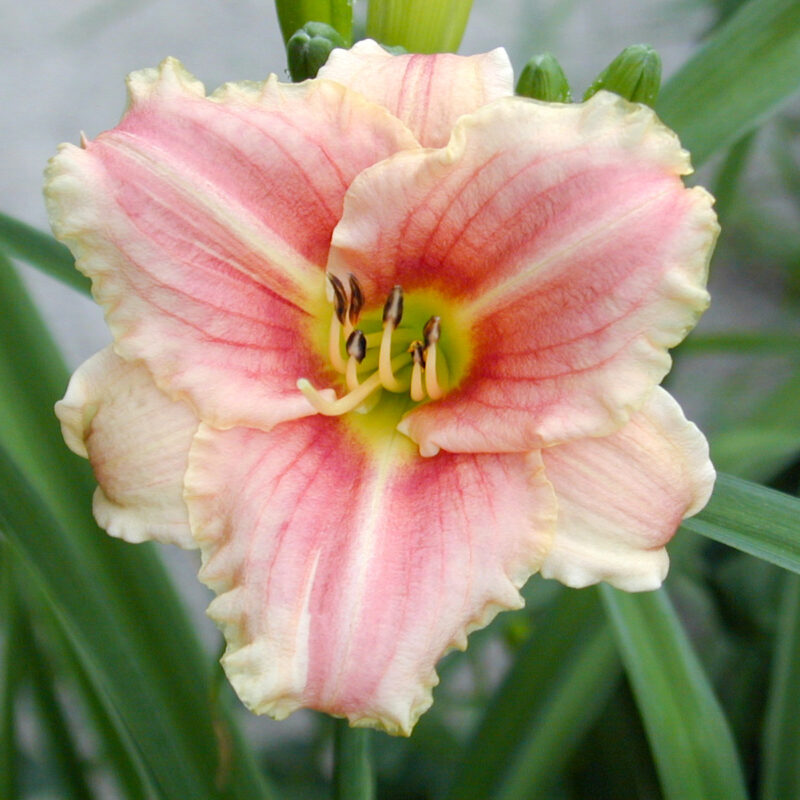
353,774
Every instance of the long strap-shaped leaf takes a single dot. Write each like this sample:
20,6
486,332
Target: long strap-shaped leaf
115,600
754,519
782,725
748,67
10,668
556,688
42,251
691,742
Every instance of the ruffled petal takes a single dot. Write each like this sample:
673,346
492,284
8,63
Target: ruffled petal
344,571
428,92
205,225
566,238
137,441
622,497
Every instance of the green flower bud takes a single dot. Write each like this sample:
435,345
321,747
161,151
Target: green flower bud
543,79
294,14
634,74
420,26
308,49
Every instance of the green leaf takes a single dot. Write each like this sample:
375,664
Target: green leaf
118,752
781,776
753,519
692,745
729,177
11,623
65,755
114,600
42,251
555,689
742,343
353,774
748,67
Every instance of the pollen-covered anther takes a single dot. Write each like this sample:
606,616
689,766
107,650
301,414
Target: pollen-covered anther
435,368
356,300
356,350
417,350
392,316
337,321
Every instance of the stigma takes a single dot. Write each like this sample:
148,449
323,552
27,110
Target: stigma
376,354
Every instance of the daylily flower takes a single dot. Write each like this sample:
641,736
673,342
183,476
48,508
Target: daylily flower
386,343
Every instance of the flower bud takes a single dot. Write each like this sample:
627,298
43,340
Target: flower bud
420,26
543,79
294,14
308,49
634,74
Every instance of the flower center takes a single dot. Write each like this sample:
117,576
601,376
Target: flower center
397,349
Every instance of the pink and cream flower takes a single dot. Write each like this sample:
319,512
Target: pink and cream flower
386,343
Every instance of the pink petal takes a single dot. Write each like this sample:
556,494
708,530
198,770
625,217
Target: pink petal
622,497
137,441
344,572
205,225
428,92
566,236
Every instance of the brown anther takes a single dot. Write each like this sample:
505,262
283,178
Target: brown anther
393,308
357,345
339,298
356,300
432,330
417,350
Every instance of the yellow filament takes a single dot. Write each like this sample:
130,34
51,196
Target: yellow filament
417,389
351,375
350,401
385,362
433,387
334,345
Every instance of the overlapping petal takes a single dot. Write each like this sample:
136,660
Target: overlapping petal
205,224
137,441
621,497
428,92
567,238
344,571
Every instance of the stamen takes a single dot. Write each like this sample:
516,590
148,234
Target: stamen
356,349
350,401
339,297
392,314
431,332
418,357
356,300
334,340
393,307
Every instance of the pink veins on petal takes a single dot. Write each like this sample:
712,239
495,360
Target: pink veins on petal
386,343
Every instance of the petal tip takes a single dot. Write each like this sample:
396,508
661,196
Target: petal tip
169,76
